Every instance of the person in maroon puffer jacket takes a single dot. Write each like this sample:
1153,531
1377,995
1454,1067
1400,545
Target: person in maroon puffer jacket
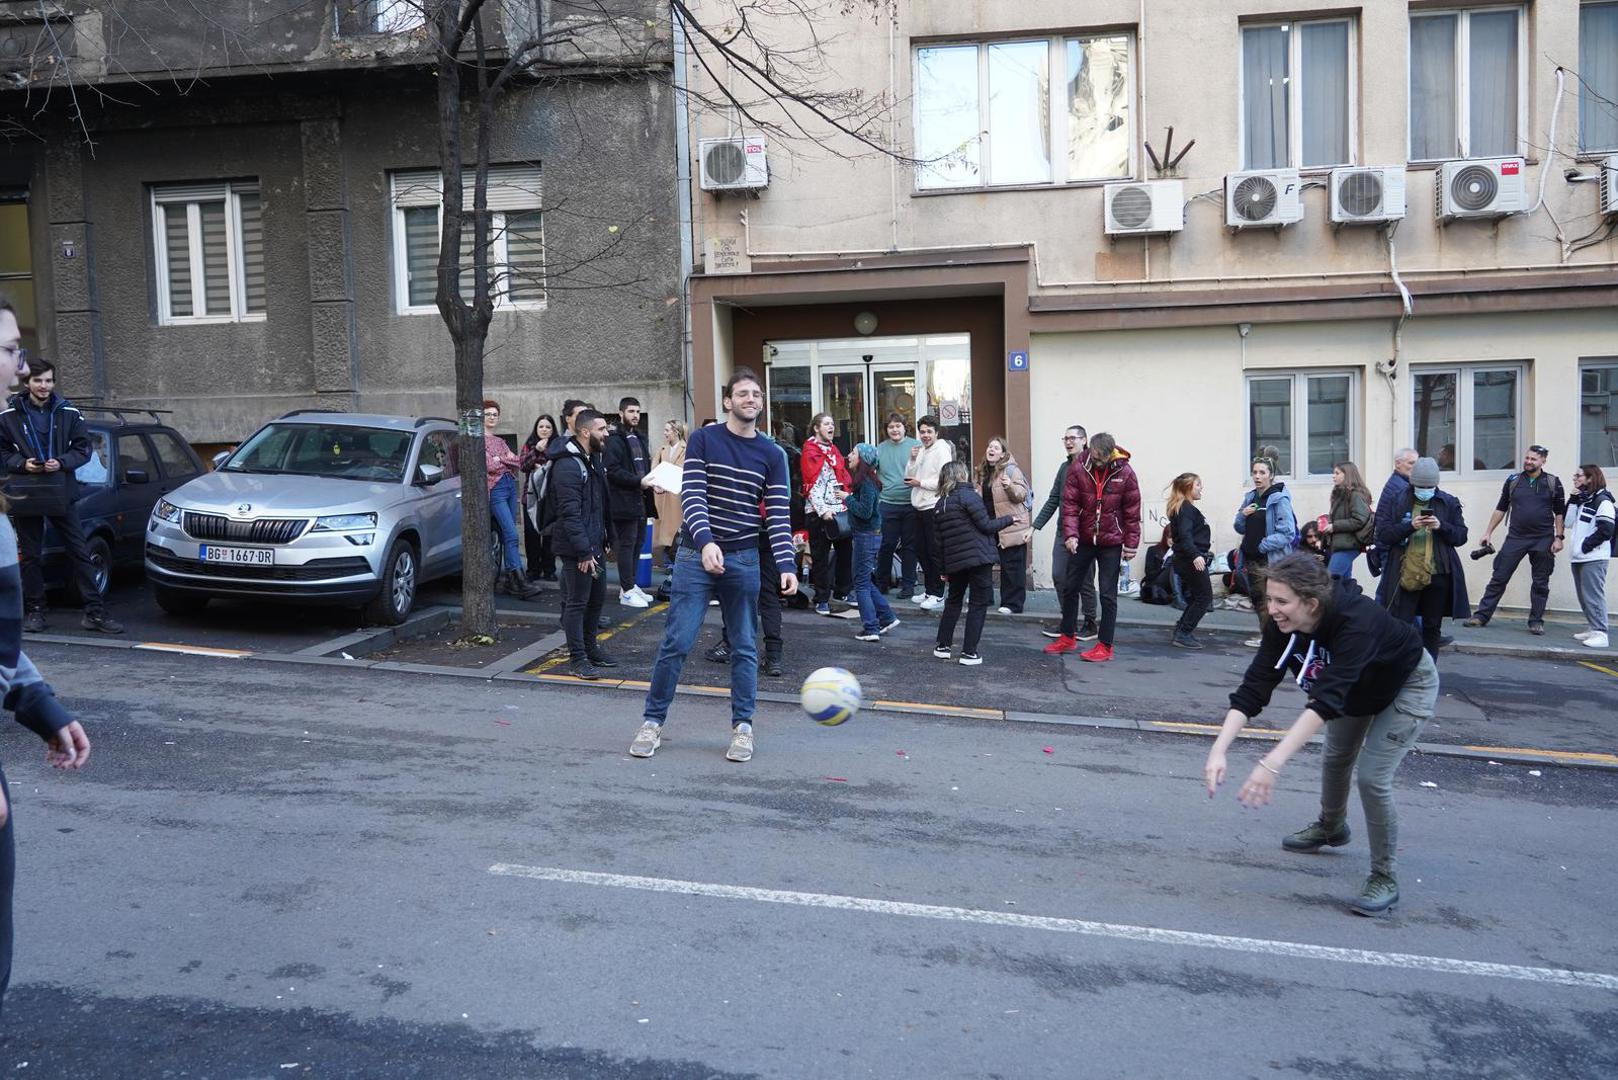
1101,527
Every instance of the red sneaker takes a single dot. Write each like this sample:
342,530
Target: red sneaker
1063,644
1099,653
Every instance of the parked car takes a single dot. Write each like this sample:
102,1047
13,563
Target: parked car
136,459
315,507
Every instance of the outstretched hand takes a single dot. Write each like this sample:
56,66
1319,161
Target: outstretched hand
1213,771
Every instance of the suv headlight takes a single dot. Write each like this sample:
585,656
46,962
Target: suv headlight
166,511
344,523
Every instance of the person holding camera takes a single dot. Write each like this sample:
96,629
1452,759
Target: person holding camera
1421,545
43,439
1536,503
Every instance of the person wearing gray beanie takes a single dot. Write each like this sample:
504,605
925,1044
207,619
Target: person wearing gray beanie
1422,539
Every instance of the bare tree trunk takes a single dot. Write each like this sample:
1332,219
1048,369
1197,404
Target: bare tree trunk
468,324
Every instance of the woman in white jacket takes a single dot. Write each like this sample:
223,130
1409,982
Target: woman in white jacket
1590,526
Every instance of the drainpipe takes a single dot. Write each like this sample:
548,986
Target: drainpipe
682,154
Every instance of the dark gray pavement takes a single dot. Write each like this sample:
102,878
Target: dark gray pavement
272,870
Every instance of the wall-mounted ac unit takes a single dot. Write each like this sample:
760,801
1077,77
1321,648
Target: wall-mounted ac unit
733,164
1268,199
1482,188
1143,208
1367,195
1609,185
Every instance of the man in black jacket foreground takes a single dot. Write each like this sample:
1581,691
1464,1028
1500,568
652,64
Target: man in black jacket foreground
579,538
41,434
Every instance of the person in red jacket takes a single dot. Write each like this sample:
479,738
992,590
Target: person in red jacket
1101,527
825,492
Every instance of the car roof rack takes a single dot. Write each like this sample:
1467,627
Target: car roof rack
420,420
121,412
301,412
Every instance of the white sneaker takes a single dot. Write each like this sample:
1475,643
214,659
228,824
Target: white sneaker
741,743
920,599
643,594
633,599
1597,640
1581,635
942,653
647,740
932,603
1004,610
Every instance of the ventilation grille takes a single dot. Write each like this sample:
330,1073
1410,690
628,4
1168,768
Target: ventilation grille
1360,193
1474,187
1255,198
1132,207
725,163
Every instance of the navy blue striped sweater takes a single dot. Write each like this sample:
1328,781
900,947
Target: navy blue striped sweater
727,479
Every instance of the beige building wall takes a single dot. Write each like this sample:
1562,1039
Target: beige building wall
1176,400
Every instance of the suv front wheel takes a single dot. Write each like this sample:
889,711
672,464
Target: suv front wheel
400,577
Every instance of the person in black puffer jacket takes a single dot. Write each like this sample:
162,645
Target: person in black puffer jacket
968,538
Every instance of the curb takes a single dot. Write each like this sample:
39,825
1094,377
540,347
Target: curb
1567,759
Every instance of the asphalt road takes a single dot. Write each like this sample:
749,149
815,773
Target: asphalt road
274,870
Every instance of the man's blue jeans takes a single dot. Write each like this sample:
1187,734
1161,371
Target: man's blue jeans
874,610
898,536
503,504
689,592
1341,564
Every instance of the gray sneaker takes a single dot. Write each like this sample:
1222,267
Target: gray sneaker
741,743
1315,836
647,740
1377,896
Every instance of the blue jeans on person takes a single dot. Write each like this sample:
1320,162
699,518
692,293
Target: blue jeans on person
874,610
1341,564
898,537
689,592
503,504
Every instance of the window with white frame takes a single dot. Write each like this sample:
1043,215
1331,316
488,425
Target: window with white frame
1298,95
209,246
397,16
1467,417
1468,89
516,255
1598,412
991,114
1598,77
1309,417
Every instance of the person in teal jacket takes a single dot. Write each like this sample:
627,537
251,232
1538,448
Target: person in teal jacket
1264,538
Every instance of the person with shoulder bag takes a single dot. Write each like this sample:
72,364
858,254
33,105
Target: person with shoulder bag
1005,494
1421,545
1349,528
43,439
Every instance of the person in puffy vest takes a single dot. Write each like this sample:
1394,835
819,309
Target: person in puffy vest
968,544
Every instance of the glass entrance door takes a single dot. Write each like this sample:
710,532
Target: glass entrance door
846,396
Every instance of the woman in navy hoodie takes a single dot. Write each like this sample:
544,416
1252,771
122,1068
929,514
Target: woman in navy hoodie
1367,681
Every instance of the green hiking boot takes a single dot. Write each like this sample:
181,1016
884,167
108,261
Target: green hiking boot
1315,836
1378,895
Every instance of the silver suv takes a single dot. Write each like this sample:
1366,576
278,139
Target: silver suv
316,506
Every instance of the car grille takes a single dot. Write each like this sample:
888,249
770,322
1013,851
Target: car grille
266,531
314,570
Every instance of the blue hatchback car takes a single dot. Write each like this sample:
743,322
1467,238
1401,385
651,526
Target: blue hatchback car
135,460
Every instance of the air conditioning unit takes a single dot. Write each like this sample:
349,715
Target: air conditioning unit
1482,188
1141,209
734,164
1609,185
1367,195
1268,199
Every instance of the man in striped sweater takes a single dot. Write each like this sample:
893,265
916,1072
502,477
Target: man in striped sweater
729,473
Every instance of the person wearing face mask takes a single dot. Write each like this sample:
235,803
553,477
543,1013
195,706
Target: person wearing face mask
1368,682
1536,502
1422,555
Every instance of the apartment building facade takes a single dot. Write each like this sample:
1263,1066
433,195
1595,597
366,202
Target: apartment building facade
1374,225
237,213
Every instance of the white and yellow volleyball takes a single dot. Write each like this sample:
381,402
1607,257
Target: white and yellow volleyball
831,695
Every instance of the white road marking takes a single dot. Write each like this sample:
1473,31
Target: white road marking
1147,934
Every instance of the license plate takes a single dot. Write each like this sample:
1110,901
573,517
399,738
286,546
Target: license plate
236,556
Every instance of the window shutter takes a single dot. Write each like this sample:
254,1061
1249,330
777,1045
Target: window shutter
252,252
417,187
215,259
511,187
184,193
177,244
421,254
525,251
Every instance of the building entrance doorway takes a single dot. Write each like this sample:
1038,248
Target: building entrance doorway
861,381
